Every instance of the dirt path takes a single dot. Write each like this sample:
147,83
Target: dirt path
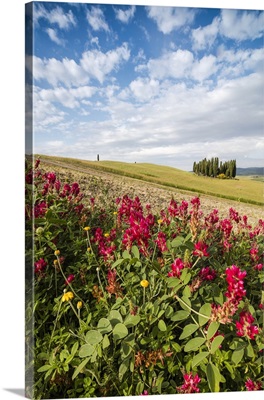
99,184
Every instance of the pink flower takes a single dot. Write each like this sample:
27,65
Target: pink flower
161,242
176,268
235,279
190,384
207,274
145,393
250,385
245,325
40,265
200,250
70,278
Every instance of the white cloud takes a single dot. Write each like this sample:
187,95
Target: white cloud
98,65
96,19
125,15
143,89
54,37
171,18
204,37
204,68
67,97
242,25
55,16
93,64
176,64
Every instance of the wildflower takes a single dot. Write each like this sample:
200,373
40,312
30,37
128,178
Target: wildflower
207,274
86,228
57,252
40,265
161,242
250,385
190,384
106,235
113,285
245,325
67,296
79,305
145,393
160,221
176,268
200,250
234,278
70,278
144,283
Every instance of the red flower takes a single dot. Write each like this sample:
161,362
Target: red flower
40,265
70,278
161,242
234,278
190,384
176,268
250,385
207,274
200,250
245,325
145,393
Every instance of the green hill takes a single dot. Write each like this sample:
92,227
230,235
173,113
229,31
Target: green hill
244,190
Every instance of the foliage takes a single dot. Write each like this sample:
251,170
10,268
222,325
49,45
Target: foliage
212,168
127,302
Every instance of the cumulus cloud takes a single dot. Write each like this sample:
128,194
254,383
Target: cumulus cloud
204,37
125,15
170,18
242,25
54,36
55,16
143,89
98,64
93,64
96,19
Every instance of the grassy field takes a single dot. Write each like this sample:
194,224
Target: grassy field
242,189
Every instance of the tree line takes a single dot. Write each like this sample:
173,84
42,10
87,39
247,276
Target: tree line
214,168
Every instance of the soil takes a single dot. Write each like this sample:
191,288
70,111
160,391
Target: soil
100,184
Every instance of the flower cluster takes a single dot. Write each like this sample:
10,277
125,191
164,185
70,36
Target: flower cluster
245,325
176,268
251,385
190,384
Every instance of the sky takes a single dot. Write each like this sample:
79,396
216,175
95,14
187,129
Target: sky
168,85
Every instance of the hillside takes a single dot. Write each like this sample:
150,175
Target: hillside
257,171
243,190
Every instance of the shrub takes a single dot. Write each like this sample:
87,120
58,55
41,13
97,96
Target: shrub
127,302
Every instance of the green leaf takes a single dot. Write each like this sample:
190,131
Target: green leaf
132,320
45,368
123,369
194,344
135,252
213,327
178,241
237,356
93,337
199,358
106,342
184,303
86,350
213,377
188,330
104,325
206,310
180,315
216,343
74,348
162,326
120,331
173,282
79,368
115,317
117,263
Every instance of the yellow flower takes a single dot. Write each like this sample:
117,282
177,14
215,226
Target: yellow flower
144,283
160,221
67,296
106,235
86,228
115,212
57,252
79,305
88,249
55,262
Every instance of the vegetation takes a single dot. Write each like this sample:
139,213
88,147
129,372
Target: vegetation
213,169
247,191
121,301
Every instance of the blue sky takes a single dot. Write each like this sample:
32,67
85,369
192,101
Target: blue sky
166,85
